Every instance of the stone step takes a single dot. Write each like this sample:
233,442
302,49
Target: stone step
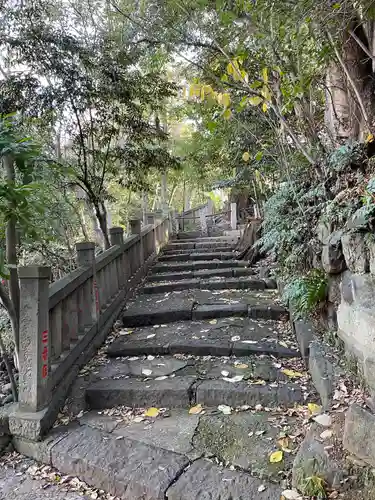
201,246
161,458
215,283
228,272
188,251
166,267
170,382
219,337
196,256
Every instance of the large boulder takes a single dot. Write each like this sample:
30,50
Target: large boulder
356,321
333,261
313,459
355,252
359,434
322,372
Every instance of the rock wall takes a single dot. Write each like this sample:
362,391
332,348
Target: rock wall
349,259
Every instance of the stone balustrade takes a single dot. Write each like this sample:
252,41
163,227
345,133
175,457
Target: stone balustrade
62,324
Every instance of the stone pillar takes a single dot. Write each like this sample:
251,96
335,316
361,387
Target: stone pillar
135,228
34,355
90,297
116,236
144,207
150,219
233,215
159,214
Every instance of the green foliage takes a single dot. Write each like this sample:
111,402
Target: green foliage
307,292
314,486
346,155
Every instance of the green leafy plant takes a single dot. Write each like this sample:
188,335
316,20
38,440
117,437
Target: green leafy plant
314,487
305,293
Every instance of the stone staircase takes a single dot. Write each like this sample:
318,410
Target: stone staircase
207,349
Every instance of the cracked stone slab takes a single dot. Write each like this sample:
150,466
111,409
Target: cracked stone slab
141,367
168,393
217,392
159,308
125,468
245,440
100,422
205,480
174,433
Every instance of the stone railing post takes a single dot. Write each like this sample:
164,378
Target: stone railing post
116,236
90,295
233,215
151,219
34,355
135,228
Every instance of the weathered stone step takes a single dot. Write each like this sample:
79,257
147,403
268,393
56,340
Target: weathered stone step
215,283
160,458
219,337
183,391
187,251
205,479
125,468
196,256
198,265
200,246
228,272
201,304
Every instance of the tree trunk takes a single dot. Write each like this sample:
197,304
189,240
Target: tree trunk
11,256
101,215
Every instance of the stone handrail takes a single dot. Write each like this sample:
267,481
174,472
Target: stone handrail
62,324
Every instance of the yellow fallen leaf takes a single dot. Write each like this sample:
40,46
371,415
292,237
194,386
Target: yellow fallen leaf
291,373
276,457
283,442
242,366
259,382
246,156
213,322
370,138
195,410
314,408
152,412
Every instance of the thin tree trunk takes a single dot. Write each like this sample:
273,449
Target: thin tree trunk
101,215
11,255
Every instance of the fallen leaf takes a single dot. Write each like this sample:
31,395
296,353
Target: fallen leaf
151,336
138,419
326,434
283,443
150,357
276,457
146,372
242,366
227,410
195,410
80,414
258,407
314,408
259,433
291,495
284,344
324,419
236,378
262,488
162,377
291,373
224,373
249,341
119,437
213,322
235,338
259,382
152,412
